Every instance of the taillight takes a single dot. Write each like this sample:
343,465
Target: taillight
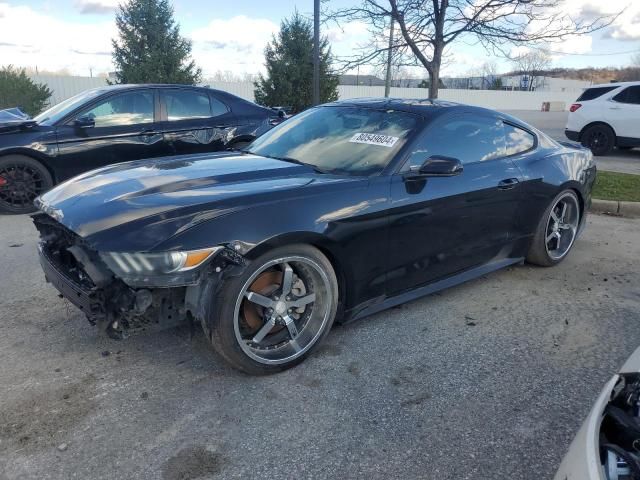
575,107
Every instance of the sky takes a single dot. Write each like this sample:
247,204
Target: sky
230,36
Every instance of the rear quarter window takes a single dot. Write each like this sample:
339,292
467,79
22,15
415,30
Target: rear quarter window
593,93
517,140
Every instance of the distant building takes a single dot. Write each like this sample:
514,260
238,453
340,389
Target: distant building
366,80
516,82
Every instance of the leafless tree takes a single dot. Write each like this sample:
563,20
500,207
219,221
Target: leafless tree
632,73
427,27
489,74
400,76
532,63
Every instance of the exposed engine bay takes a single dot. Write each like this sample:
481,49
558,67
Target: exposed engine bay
620,431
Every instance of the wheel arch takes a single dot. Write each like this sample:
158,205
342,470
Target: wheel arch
581,201
328,247
576,187
33,156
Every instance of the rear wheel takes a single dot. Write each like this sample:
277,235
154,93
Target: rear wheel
271,316
22,179
556,231
600,139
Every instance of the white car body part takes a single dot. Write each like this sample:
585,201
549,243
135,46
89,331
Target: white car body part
582,461
616,105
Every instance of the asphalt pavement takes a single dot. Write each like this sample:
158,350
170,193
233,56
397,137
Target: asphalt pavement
553,123
488,380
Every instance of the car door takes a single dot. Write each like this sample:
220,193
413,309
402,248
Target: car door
194,121
440,226
112,129
623,112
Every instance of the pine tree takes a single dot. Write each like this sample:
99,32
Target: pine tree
150,48
289,63
18,90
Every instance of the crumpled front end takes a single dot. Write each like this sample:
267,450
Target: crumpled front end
82,278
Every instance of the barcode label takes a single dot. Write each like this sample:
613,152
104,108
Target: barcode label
374,139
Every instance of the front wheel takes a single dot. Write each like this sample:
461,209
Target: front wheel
271,316
22,179
556,231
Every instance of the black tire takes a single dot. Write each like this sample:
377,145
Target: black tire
223,322
22,179
600,139
538,250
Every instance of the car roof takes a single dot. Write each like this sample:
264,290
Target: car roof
426,107
613,84
135,86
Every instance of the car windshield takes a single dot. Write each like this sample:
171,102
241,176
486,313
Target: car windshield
60,110
336,139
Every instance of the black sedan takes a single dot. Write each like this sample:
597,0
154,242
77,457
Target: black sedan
115,124
339,212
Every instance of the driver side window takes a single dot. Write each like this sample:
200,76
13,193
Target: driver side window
469,138
131,108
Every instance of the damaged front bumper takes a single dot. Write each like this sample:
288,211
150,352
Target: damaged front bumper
117,308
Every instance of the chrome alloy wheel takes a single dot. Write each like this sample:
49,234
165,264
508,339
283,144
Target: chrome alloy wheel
282,309
562,226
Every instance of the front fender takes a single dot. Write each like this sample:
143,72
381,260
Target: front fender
349,225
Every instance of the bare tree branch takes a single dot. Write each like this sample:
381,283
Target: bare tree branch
427,27
532,64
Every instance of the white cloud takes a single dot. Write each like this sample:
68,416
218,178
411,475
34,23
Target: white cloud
50,43
97,6
625,27
235,45
53,44
460,61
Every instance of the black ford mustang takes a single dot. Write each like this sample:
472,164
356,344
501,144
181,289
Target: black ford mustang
115,124
339,212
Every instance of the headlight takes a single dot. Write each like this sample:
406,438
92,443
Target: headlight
158,269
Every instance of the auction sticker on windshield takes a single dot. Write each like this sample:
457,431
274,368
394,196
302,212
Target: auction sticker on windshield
374,139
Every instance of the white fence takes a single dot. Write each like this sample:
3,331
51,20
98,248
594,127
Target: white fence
496,99
63,86
67,86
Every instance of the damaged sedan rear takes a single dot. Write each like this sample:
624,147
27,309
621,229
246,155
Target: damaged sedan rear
339,212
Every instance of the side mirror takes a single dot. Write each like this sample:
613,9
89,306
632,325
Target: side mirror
438,166
84,122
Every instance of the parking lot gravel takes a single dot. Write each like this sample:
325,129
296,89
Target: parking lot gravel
487,380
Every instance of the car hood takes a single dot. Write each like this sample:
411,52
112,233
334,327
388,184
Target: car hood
13,126
178,190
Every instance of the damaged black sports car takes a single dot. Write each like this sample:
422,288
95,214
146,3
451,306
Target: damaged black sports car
341,211
115,124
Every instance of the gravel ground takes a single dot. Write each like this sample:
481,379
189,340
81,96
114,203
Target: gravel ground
553,123
487,380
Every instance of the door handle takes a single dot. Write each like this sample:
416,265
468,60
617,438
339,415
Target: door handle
508,183
614,108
